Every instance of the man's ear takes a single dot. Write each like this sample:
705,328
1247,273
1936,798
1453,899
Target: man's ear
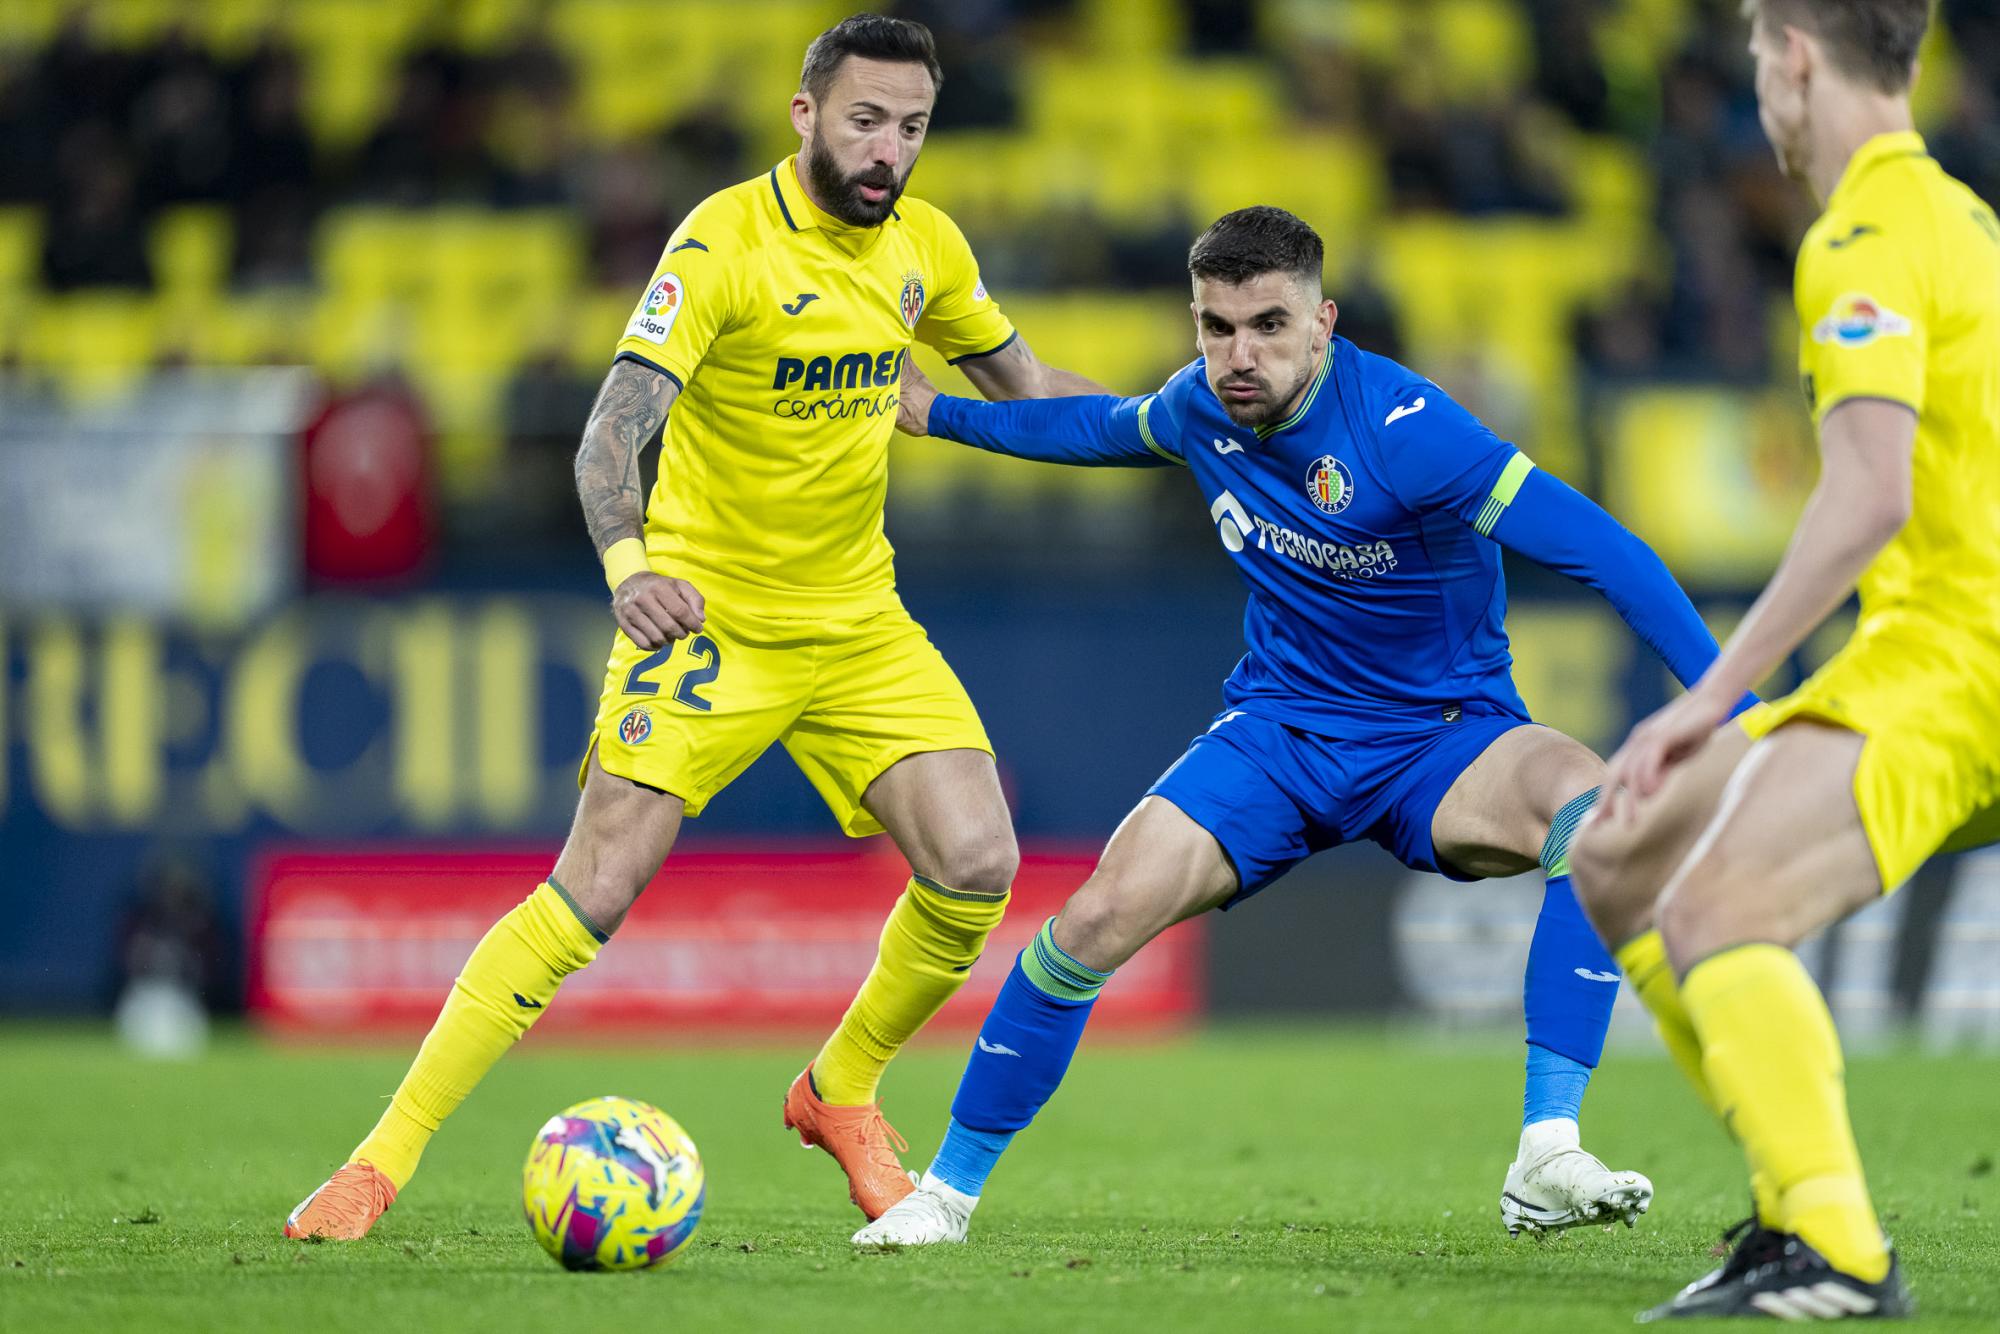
802,114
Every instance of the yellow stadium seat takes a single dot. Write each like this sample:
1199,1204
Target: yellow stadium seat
489,25
131,23
1332,180
232,28
1485,45
96,342
639,66
20,250
352,51
191,248
29,24
593,323
261,330
1130,27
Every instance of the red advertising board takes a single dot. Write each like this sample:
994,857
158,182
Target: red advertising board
724,943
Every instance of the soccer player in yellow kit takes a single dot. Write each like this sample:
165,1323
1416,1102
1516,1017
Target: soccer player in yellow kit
1728,845
756,603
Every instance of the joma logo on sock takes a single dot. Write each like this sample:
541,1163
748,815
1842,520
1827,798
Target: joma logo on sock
525,1003
994,1048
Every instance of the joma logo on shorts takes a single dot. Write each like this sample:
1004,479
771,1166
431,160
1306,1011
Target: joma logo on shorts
855,370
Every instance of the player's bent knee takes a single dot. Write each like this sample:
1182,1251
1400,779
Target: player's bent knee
981,865
1104,924
1599,864
1608,881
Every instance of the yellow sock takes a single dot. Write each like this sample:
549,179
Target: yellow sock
1644,962
513,973
1773,1060
929,943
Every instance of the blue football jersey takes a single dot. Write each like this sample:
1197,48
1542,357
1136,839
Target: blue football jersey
1359,524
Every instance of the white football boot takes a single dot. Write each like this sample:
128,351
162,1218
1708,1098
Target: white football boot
931,1213
1554,1184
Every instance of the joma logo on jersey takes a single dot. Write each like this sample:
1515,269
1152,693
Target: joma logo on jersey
856,370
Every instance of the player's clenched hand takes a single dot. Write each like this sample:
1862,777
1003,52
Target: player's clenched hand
655,608
913,400
1657,745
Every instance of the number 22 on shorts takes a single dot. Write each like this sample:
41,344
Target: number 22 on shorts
700,648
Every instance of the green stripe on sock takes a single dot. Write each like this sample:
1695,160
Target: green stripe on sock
581,915
1555,848
1055,972
963,895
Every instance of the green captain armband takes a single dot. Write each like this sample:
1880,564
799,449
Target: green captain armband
1503,493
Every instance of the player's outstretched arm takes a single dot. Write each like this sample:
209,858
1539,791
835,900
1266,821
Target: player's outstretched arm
1090,430
631,404
1559,528
1016,372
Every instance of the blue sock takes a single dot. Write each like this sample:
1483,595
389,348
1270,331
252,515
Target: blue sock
1019,1058
1569,989
967,1156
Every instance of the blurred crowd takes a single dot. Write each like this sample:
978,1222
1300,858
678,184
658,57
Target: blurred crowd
101,137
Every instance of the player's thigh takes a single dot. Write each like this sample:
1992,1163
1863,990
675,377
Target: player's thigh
1159,868
1927,700
1620,860
1495,816
881,693
692,716
945,810
620,834
1785,853
1268,795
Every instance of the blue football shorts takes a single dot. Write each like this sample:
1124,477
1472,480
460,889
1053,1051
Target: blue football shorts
1273,795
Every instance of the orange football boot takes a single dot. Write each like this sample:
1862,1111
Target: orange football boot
345,1207
860,1139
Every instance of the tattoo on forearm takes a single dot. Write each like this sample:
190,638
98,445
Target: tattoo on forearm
1016,372
631,404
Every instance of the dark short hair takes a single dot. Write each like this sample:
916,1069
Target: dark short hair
872,37
1874,41
1251,242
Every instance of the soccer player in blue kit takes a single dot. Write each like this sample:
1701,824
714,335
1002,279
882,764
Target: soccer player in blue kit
1362,507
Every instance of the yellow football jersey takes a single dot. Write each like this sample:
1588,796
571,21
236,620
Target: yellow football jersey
1898,291
786,330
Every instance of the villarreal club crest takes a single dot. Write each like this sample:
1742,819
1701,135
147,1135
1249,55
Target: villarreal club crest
913,298
635,727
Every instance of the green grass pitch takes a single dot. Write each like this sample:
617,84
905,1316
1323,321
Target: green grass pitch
1256,1179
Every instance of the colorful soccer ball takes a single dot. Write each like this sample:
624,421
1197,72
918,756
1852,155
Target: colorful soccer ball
612,1184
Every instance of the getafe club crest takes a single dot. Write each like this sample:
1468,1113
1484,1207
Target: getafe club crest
1329,485
635,727
913,298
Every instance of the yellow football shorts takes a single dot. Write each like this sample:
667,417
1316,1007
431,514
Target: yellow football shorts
847,697
1927,700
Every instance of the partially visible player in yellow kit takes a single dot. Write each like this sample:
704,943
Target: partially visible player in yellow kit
756,603
1728,845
